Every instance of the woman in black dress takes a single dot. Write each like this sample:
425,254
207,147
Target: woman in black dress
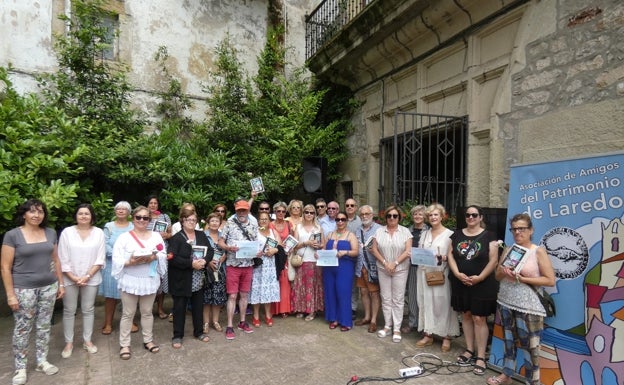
472,259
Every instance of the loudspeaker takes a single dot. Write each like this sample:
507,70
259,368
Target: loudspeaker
314,174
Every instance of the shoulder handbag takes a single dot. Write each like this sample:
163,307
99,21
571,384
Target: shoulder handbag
435,277
547,301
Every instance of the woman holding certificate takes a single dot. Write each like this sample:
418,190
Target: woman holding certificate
435,315
189,249
265,287
338,280
307,288
392,246
519,308
472,259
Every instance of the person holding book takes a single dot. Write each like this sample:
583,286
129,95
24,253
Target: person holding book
472,259
519,309
283,229
392,247
139,262
188,252
160,223
215,295
82,253
307,288
264,284
367,276
435,315
338,280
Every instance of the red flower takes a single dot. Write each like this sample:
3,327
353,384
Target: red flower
159,247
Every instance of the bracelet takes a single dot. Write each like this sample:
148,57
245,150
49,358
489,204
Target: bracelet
88,275
61,285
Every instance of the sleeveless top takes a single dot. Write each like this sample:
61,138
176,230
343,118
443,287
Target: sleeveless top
520,296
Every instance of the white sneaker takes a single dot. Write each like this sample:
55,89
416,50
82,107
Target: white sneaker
47,368
90,348
66,353
19,378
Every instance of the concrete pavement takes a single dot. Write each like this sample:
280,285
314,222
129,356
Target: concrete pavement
291,352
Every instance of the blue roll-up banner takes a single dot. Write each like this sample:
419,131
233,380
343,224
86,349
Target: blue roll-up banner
577,209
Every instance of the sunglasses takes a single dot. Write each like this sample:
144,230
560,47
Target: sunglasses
280,211
264,209
332,208
518,229
140,218
394,216
350,205
309,212
472,215
341,219
320,206
219,211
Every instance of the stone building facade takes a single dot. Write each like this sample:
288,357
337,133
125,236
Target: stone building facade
535,81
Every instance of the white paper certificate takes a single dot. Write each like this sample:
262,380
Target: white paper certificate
424,257
247,249
327,257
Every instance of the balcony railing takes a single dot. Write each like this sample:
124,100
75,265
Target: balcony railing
328,19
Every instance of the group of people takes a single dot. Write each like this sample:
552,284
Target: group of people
269,261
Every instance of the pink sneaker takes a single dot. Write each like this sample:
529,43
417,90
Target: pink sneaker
244,326
229,333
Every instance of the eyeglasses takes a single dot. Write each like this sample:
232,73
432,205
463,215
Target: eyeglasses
309,212
332,208
341,219
320,206
363,214
296,207
264,209
190,220
350,205
518,229
280,211
140,218
394,216
472,215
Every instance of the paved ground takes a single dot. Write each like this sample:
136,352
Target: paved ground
291,352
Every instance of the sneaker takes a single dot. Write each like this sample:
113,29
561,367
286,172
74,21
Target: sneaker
19,378
244,326
47,368
229,333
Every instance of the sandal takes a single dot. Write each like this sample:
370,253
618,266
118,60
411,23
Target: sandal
462,360
206,328
333,325
478,369
362,322
345,328
124,353
446,347
269,321
203,338
152,347
162,315
134,328
396,337
255,322
310,316
217,326
176,343
106,330
383,332
425,341
498,380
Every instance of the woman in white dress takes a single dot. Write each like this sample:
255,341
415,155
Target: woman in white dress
435,315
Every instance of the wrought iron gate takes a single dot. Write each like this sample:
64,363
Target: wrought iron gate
424,161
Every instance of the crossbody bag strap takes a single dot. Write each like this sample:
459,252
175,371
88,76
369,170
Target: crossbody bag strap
136,239
240,226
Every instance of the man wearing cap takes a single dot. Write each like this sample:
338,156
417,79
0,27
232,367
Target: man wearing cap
239,271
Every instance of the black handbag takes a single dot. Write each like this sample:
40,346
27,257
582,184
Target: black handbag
547,301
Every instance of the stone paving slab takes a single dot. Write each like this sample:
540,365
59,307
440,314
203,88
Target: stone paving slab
293,351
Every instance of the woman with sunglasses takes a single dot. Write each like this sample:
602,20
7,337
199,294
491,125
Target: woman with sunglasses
284,229
435,315
307,289
153,204
392,246
139,260
221,209
295,216
472,259
519,309
338,280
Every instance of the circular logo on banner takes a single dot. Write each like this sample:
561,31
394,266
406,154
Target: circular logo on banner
567,251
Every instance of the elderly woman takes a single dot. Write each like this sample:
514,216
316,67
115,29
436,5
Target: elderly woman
307,290
82,253
472,259
264,283
519,309
187,269
435,315
284,228
392,246
31,272
338,280
108,289
139,260
153,204
215,295
418,226
295,216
